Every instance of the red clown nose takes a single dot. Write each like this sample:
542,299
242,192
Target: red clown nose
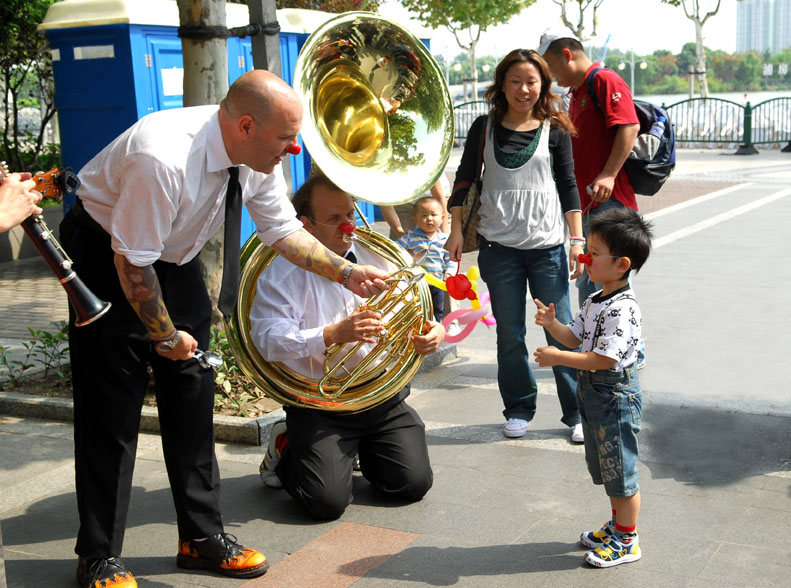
294,150
347,228
586,259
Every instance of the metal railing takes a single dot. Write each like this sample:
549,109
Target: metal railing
464,115
715,122
712,122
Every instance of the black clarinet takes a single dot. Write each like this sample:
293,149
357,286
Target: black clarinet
87,306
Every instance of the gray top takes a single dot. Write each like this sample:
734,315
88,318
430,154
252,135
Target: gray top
520,207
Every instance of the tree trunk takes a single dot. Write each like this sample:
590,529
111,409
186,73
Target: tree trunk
206,82
266,54
700,59
474,71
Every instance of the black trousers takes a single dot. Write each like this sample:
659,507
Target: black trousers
110,359
316,467
438,301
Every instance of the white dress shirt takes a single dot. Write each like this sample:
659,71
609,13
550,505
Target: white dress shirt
159,188
291,308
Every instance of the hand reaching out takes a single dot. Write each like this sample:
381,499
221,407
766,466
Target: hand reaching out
367,280
545,315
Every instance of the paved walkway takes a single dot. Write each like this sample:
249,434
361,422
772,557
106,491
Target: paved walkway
715,463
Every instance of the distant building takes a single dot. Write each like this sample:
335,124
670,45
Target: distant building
763,25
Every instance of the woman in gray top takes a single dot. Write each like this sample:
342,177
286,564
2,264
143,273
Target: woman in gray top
529,204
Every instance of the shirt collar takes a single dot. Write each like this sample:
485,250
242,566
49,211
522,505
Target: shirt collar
593,65
421,233
216,156
600,298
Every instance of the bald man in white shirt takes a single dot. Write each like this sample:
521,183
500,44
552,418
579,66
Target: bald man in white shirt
148,203
294,318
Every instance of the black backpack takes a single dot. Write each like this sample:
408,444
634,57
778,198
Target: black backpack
646,175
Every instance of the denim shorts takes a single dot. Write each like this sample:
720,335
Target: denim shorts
611,407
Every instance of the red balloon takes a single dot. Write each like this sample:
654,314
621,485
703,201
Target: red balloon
347,228
585,258
459,287
294,150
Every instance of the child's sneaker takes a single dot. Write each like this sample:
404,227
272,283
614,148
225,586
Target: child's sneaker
614,551
594,539
277,443
454,328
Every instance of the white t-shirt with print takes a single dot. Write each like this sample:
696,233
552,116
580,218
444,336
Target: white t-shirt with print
610,326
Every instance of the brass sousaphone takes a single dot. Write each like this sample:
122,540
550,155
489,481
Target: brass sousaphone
379,123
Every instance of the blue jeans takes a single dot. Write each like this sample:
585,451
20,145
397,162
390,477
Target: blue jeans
611,405
508,272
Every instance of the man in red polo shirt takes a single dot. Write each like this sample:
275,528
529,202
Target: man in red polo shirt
604,137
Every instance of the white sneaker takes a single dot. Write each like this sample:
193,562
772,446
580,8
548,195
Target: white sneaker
277,441
515,428
454,328
577,436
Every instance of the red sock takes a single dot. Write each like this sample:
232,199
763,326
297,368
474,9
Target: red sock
621,529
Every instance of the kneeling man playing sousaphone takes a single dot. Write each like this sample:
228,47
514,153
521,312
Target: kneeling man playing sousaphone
293,319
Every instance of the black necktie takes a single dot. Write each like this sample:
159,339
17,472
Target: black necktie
229,291
351,256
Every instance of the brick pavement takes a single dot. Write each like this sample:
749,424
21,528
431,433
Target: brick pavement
31,297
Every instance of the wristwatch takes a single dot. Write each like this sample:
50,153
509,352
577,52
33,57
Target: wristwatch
168,344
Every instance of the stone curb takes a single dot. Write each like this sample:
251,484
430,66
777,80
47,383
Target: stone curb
227,429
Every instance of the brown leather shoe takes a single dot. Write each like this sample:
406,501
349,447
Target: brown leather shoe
103,573
221,553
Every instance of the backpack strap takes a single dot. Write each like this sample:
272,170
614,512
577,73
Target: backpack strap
590,84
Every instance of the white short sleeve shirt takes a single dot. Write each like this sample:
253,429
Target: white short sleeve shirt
611,326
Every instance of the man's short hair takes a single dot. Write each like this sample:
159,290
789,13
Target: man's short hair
557,46
302,201
625,232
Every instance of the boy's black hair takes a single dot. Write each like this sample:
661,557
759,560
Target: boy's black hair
625,233
421,200
558,45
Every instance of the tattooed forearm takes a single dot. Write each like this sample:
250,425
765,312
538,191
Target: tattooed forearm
303,249
141,286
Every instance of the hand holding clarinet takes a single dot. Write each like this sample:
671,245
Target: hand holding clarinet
18,200
15,187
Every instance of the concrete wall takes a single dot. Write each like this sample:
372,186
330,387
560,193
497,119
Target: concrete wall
15,244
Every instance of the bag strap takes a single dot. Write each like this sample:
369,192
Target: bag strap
479,165
591,85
